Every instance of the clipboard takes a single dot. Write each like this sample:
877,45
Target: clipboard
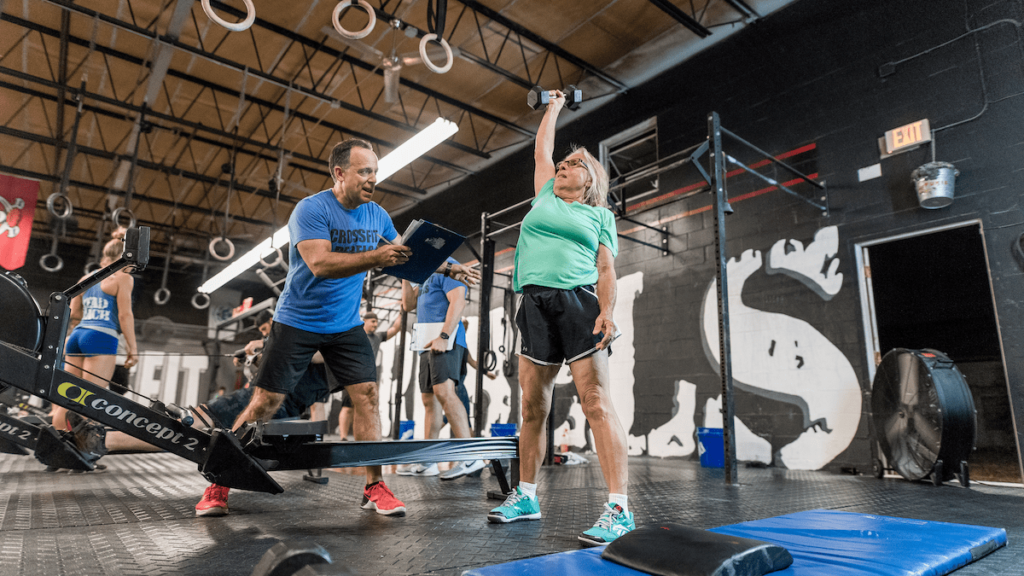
424,332
431,245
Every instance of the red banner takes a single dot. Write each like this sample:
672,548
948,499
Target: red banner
17,209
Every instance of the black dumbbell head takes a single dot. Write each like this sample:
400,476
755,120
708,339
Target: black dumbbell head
573,97
537,97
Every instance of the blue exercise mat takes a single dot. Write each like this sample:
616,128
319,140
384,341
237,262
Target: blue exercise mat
584,562
847,544
821,542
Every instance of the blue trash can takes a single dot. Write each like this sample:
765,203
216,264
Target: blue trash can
406,429
711,447
503,429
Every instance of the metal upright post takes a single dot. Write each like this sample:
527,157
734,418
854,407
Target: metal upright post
396,421
725,354
484,315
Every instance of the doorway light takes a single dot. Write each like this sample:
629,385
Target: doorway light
400,157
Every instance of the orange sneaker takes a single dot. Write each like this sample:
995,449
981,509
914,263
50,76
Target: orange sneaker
214,502
378,496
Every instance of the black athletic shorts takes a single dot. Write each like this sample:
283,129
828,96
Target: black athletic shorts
437,368
557,325
288,352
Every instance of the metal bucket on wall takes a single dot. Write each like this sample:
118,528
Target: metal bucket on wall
934,182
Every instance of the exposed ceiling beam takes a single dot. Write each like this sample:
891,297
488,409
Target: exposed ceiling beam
743,8
282,83
682,17
537,39
231,92
239,141
375,69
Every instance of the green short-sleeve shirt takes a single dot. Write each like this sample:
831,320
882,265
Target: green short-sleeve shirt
558,242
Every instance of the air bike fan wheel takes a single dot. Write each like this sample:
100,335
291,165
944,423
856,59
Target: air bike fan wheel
924,415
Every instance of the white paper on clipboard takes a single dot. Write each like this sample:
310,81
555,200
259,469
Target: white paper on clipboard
424,332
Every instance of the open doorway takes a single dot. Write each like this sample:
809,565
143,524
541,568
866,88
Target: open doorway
932,290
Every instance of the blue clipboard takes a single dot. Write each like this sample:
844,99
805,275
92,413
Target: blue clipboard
431,245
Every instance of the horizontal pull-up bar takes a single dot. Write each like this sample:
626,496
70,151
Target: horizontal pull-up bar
792,170
506,228
779,185
510,208
651,170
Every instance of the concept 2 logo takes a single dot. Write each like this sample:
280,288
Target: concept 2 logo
15,432
79,394
155,429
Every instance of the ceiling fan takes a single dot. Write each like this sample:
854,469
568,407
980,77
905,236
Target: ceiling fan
392,63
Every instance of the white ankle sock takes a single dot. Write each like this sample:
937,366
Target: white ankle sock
620,499
528,489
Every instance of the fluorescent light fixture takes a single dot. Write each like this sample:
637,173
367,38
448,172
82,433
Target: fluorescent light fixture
399,158
415,147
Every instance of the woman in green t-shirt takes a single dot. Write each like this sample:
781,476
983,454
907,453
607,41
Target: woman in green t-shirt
565,269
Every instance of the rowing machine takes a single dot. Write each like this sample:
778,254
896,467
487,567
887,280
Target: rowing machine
30,356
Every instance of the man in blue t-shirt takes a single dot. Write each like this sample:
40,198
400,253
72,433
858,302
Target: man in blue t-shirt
441,300
334,241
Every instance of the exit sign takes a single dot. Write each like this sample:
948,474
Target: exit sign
905,137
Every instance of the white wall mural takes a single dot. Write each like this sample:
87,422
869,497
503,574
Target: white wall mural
808,265
676,437
171,377
787,359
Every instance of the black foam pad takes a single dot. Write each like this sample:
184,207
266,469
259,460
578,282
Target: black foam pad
677,550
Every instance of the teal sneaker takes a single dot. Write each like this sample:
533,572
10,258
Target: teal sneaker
517,506
612,524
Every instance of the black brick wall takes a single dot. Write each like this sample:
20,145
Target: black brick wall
810,74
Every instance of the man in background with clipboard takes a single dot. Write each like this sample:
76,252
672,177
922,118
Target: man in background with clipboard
440,339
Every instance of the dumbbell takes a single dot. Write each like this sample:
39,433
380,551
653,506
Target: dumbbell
540,97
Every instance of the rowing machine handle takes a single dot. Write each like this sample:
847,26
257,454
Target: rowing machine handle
181,414
174,411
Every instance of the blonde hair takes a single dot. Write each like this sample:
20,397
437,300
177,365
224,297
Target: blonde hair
597,193
112,250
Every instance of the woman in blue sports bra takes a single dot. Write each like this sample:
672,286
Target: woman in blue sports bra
98,316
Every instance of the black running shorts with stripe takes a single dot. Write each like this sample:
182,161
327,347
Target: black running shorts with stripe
557,325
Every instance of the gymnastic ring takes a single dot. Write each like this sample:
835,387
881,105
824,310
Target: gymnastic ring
336,19
115,217
91,267
51,206
162,296
201,301
278,260
250,17
58,265
213,249
447,51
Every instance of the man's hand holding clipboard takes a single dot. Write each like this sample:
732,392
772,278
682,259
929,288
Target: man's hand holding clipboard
432,245
392,254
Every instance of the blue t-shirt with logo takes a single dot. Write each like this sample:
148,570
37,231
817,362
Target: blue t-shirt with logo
328,305
432,302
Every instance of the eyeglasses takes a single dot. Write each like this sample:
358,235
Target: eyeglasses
571,163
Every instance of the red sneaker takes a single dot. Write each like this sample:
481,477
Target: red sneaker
214,502
378,496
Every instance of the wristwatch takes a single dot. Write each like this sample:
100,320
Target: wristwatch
448,270
444,336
